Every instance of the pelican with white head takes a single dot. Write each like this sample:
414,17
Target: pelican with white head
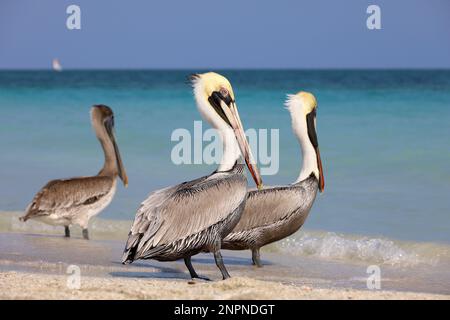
274,213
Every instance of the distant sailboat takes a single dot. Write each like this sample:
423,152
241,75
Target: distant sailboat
56,65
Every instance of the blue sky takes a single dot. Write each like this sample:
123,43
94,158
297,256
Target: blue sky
225,34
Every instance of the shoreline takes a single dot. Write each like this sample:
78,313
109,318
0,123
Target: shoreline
35,261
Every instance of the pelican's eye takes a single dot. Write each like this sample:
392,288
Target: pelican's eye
109,121
224,92
225,96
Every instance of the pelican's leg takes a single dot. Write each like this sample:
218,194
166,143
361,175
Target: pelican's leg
66,231
220,265
85,234
194,275
255,258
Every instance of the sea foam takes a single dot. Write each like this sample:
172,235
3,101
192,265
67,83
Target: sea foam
330,245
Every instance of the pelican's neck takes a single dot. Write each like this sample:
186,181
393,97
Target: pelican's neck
309,158
230,151
110,164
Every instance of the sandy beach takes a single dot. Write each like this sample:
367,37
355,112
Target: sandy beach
37,262
15,285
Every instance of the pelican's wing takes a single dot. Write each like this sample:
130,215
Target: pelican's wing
177,212
62,194
271,205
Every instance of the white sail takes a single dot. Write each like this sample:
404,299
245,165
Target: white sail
56,65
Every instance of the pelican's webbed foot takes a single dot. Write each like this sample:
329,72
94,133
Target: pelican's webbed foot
85,234
201,278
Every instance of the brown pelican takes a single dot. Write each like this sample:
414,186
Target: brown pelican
75,201
274,213
183,220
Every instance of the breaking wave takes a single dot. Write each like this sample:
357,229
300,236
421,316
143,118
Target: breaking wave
330,245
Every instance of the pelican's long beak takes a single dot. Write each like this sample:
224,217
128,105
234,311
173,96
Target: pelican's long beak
120,168
232,115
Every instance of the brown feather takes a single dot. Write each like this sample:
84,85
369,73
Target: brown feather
65,193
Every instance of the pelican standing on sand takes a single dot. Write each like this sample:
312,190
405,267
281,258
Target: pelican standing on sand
192,217
274,213
77,200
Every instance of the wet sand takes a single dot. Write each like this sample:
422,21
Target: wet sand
36,264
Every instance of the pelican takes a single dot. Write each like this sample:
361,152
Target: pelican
274,213
75,201
192,217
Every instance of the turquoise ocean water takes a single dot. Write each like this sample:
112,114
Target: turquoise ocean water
384,139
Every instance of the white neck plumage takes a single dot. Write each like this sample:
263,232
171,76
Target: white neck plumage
309,157
300,128
230,151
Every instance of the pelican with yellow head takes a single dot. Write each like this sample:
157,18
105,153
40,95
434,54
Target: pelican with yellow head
192,217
